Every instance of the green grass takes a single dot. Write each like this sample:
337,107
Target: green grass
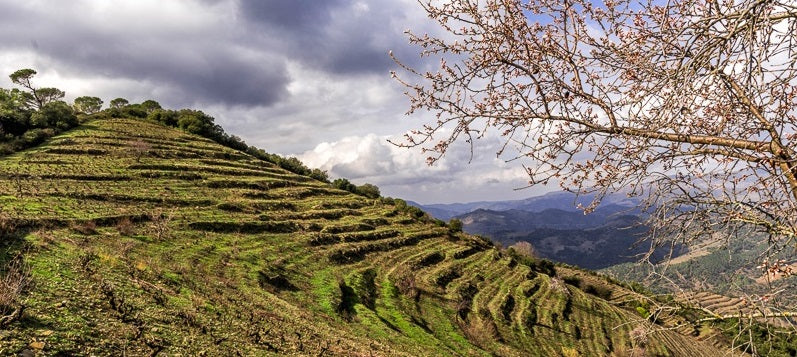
188,248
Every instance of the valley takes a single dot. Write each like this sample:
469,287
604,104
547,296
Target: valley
558,230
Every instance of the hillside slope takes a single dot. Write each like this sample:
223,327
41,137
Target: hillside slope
142,240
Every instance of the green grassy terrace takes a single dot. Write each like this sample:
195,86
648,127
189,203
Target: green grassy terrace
144,240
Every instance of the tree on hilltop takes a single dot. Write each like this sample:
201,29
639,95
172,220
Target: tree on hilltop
368,190
344,184
36,97
689,103
87,104
119,103
150,106
14,115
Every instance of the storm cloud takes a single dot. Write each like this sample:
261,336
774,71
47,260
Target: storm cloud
194,60
338,36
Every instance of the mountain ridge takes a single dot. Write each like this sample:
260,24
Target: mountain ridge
565,201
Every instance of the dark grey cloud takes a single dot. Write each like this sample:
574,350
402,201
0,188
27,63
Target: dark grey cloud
294,16
339,36
237,58
206,65
188,74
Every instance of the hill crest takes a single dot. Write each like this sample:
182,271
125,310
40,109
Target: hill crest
142,239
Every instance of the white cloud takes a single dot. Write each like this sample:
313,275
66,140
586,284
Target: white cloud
402,172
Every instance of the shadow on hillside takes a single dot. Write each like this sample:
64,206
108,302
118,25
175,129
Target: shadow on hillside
15,277
12,244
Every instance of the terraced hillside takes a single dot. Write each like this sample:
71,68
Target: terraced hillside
140,240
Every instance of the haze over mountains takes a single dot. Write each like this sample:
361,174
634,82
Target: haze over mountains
564,201
556,228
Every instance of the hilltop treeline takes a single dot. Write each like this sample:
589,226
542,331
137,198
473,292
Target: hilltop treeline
197,122
29,115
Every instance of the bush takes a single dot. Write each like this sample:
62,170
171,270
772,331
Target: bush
400,204
14,280
368,190
573,280
125,227
481,331
37,136
345,185
599,291
85,228
57,115
166,117
454,225
537,265
415,211
408,286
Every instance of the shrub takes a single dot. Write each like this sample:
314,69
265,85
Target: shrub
537,265
368,190
344,184
166,117
400,204
572,280
36,136
408,286
160,223
140,148
14,281
125,227
481,331
599,291
85,228
57,115
455,225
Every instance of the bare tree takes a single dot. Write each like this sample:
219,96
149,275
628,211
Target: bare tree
689,103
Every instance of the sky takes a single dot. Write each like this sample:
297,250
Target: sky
302,78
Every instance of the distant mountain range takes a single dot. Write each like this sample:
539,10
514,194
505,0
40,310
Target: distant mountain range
564,201
556,228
